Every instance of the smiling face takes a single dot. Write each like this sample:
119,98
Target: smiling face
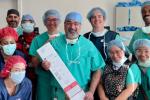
13,20
72,29
97,19
52,23
146,14
116,54
143,53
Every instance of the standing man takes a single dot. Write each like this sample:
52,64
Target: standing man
79,55
45,89
144,32
13,20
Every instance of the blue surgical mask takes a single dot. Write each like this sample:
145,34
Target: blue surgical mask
17,77
9,49
28,27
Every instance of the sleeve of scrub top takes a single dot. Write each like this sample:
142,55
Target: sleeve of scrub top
97,59
133,75
33,47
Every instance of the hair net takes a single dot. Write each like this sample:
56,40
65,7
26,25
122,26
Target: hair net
10,62
141,42
49,13
117,43
75,16
100,10
8,31
13,11
27,17
146,3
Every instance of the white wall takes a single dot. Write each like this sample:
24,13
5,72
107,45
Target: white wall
37,8
4,6
65,6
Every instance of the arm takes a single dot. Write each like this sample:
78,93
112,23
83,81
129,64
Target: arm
94,82
101,92
127,92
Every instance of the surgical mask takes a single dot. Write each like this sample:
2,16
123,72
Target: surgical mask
117,65
9,49
17,77
28,27
144,64
146,29
73,41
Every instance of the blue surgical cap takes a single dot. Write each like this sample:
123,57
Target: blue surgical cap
100,10
75,16
146,3
117,43
27,17
141,42
49,13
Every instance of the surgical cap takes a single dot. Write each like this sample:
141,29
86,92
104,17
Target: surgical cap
10,62
117,43
50,13
146,3
98,9
74,16
8,31
141,42
27,17
12,11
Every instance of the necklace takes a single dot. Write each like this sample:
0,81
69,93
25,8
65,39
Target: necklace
76,59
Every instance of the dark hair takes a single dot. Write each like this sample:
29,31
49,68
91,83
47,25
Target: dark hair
13,11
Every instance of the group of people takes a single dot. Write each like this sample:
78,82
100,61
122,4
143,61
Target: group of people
99,61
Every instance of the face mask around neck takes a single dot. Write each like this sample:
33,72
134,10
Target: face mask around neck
144,64
120,63
146,29
73,41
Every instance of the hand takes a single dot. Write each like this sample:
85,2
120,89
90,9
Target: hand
46,64
89,96
67,97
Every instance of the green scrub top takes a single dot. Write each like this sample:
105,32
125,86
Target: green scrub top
84,56
145,77
46,87
139,34
134,75
19,30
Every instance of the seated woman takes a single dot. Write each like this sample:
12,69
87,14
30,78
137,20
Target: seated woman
120,78
141,49
8,38
13,83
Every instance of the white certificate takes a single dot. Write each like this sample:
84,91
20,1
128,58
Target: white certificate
61,72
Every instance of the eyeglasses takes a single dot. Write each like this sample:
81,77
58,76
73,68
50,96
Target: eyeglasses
140,51
52,20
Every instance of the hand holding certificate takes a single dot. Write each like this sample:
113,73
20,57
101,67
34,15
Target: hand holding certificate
61,72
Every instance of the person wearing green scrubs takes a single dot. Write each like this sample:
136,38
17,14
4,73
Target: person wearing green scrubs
51,20
142,51
121,77
144,32
79,55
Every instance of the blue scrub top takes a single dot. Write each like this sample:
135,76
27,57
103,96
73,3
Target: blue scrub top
24,91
